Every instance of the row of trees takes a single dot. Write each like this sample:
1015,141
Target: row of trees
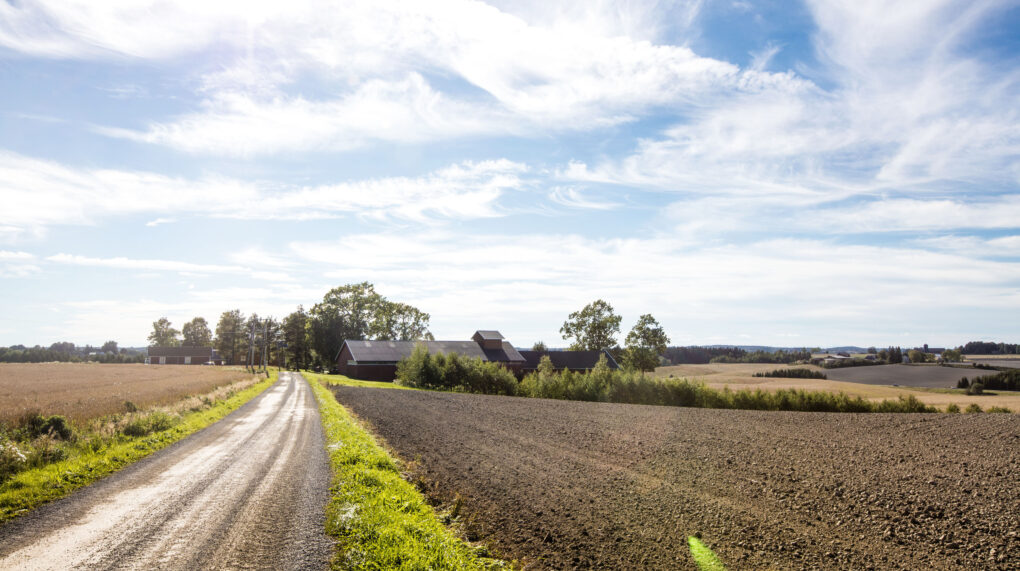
304,338
68,352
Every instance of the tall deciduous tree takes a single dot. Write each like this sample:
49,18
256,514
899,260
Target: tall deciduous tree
295,339
196,333
357,311
645,342
593,328
110,347
163,334
230,336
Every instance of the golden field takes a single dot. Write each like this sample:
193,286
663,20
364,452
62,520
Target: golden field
82,391
736,376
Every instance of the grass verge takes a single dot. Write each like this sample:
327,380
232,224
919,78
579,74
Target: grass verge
87,464
380,520
349,382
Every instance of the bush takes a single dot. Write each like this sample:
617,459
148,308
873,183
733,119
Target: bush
793,374
605,385
973,408
999,409
953,408
963,383
975,388
452,372
153,422
36,425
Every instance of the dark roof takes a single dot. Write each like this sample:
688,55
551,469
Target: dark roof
180,351
393,351
488,334
574,360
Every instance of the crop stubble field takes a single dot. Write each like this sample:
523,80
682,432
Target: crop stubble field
559,484
83,391
869,382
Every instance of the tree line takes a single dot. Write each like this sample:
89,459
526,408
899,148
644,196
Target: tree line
68,352
304,338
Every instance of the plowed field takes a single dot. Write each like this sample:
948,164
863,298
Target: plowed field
562,485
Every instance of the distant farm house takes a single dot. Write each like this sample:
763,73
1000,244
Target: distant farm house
377,360
182,356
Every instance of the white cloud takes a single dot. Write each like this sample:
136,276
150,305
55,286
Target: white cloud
909,111
573,198
158,221
39,194
17,264
758,288
143,264
567,67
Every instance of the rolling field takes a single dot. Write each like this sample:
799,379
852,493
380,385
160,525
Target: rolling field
571,485
82,391
871,382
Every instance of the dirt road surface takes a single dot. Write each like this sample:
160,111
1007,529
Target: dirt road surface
575,485
249,492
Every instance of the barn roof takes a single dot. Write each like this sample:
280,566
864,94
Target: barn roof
393,351
488,334
574,360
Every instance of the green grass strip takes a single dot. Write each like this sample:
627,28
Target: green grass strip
381,521
345,381
703,556
32,488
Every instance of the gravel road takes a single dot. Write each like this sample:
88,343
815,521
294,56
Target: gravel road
248,492
576,485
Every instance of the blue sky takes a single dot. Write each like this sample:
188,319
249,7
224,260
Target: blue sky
778,173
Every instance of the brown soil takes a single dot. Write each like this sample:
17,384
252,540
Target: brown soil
557,484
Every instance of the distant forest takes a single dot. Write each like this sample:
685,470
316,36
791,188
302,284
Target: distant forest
67,352
990,348
695,355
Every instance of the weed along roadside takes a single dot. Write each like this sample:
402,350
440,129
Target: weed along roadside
381,521
91,456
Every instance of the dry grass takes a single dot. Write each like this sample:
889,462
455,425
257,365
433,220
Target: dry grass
84,391
736,376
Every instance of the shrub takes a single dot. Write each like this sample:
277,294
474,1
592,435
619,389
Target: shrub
153,422
793,374
963,383
973,408
999,409
36,425
452,372
975,388
953,408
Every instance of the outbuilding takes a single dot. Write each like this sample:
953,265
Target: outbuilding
182,356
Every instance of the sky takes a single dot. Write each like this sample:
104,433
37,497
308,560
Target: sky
748,172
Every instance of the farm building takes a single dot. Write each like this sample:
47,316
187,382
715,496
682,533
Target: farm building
377,360
566,360
182,356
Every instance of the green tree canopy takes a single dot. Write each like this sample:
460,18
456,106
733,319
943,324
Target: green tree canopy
110,347
645,342
593,328
539,346
357,311
196,333
295,339
230,336
163,335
